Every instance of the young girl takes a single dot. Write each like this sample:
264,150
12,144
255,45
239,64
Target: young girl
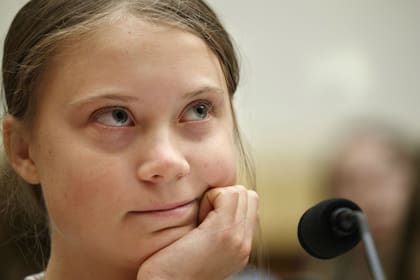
119,116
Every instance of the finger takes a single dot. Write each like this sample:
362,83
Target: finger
220,201
205,205
252,215
242,208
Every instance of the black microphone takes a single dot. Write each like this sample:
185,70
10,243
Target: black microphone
333,227
328,229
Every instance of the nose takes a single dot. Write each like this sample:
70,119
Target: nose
162,162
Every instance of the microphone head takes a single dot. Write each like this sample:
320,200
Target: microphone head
316,232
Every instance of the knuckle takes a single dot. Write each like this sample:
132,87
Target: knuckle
253,194
244,261
231,240
234,240
245,250
244,256
241,188
233,191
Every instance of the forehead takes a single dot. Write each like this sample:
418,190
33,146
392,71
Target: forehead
129,32
131,47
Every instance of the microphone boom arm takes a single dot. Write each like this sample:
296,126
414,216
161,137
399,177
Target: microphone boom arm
370,250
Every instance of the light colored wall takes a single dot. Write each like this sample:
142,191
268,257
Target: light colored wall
8,9
308,67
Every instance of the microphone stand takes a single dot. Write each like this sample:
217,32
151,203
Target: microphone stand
372,256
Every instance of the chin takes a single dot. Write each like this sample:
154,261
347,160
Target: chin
158,241
168,236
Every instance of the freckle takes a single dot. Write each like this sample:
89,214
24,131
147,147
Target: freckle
50,153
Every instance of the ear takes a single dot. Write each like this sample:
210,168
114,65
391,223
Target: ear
17,147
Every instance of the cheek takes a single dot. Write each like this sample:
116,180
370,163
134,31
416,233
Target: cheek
83,182
220,172
216,162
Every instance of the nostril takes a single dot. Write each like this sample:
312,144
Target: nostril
155,177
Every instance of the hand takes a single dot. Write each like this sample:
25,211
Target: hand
219,247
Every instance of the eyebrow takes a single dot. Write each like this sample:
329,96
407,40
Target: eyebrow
203,90
130,98
105,96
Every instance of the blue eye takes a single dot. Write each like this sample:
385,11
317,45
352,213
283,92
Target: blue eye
114,116
197,112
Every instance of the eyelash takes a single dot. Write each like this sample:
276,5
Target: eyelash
102,113
209,106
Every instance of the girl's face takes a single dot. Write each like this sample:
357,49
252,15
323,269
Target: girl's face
132,127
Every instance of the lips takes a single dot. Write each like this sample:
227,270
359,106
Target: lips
166,216
167,207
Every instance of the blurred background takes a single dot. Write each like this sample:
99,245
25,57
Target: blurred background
313,72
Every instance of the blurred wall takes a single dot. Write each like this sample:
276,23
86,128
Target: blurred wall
308,68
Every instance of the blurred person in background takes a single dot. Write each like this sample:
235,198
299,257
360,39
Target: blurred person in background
377,169
408,260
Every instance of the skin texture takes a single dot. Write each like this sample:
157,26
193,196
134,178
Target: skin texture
133,145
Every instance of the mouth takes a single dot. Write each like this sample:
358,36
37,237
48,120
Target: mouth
169,208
